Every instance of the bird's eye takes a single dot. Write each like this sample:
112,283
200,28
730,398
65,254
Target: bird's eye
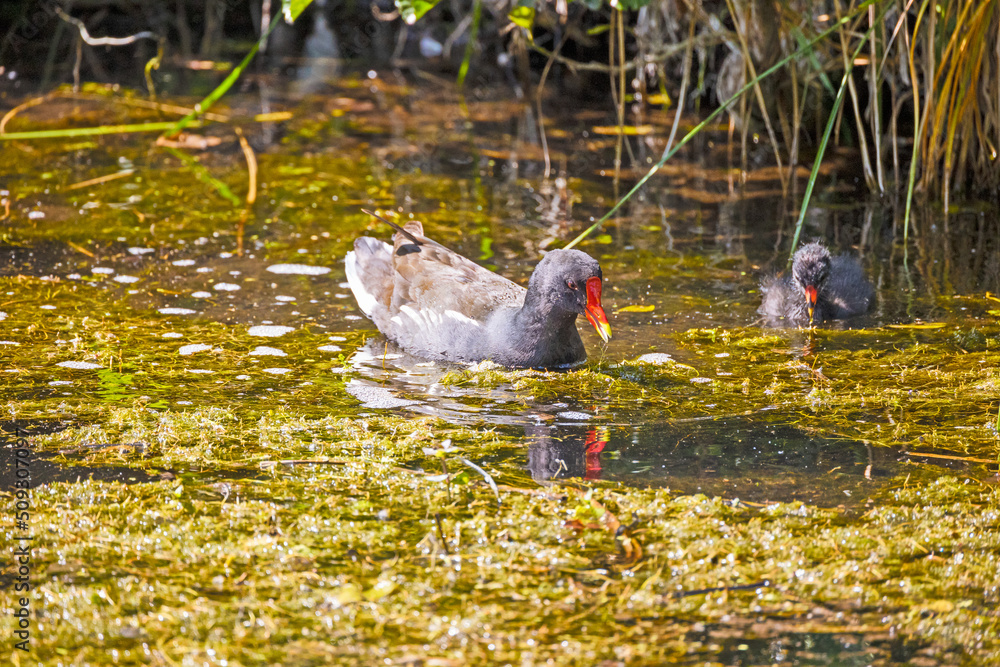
571,283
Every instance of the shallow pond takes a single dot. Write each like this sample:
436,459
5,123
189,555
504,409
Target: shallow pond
231,464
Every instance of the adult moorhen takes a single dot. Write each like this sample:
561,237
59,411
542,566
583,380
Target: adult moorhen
821,287
435,303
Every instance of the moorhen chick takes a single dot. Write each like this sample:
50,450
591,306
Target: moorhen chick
437,304
820,288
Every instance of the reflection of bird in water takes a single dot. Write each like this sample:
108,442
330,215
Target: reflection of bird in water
820,288
593,446
561,455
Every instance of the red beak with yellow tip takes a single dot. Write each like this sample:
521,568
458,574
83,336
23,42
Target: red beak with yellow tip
810,301
595,311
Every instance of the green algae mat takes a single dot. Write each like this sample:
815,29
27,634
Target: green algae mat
346,555
211,458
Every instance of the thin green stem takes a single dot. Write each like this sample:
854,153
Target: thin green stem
69,132
223,87
477,11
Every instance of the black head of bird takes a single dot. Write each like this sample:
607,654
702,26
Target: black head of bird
810,270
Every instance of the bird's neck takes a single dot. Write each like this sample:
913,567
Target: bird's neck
542,319
548,329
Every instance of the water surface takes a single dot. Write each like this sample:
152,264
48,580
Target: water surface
211,357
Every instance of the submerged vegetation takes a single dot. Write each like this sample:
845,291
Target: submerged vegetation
228,467
206,493
354,560
280,523
341,553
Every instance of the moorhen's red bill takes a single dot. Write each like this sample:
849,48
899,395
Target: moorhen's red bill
820,288
435,303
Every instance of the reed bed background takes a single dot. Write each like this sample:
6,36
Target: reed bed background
914,86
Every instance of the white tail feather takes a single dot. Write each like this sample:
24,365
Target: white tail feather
366,301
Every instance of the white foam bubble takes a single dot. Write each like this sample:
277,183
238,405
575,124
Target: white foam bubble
264,351
269,330
378,398
577,416
656,358
79,365
298,269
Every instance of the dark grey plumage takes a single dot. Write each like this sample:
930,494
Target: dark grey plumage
435,303
838,284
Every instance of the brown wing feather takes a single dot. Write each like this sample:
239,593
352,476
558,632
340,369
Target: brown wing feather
430,276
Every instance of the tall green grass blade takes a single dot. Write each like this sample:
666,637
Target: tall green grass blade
412,10
910,183
294,8
477,10
70,132
831,121
810,55
223,87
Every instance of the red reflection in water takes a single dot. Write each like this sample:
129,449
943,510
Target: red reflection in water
595,442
